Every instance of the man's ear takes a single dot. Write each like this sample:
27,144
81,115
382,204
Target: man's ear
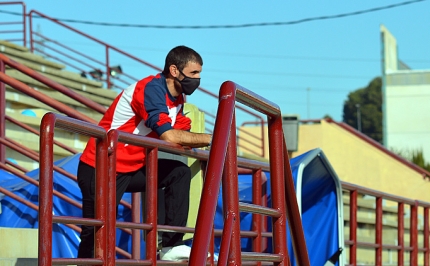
174,71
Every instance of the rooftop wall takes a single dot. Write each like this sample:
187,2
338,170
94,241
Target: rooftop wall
357,161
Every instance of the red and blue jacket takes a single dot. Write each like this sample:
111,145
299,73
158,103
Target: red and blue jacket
145,108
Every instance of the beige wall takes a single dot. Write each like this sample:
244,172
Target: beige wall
356,161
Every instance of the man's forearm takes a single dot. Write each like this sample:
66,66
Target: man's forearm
186,138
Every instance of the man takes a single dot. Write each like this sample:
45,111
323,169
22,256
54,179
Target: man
151,107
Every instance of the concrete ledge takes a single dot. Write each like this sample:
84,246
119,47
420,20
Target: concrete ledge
29,56
61,73
14,46
18,101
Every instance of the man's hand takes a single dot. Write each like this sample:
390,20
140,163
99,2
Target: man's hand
185,138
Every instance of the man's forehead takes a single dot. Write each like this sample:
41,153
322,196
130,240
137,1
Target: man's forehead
192,66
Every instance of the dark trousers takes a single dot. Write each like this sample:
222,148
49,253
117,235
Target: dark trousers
173,176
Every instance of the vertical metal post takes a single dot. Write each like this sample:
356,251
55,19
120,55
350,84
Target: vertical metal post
24,25
426,236
263,142
111,205
206,213
400,233
46,189
135,218
108,83
414,234
353,227
101,192
230,194
378,230
257,219
151,203
30,32
203,165
224,258
2,114
276,155
264,199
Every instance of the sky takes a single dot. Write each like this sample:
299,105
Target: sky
307,69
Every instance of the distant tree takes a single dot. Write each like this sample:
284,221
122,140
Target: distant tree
327,116
418,159
365,105
414,156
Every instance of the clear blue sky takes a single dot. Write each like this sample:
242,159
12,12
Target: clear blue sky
331,57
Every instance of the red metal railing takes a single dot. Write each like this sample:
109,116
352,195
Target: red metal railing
80,61
23,31
105,192
223,162
7,142
378,246
226,152
2,114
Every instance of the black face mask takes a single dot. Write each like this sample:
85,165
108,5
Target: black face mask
189,85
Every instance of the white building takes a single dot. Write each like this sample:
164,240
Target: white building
405,101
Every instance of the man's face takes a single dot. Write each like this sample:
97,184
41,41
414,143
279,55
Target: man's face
187,80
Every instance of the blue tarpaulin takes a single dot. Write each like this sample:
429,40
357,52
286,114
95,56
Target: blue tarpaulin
317,188
65,240
319,196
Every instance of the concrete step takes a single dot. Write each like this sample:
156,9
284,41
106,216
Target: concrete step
105,100
14,46
18,101
55,72
31,140
13,50
60,73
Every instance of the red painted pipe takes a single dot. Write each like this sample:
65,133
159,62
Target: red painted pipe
2,114
223,259
426,237
151,202
43,98
52,84
400,233
45,188
111,208
32,130
414,234
101,193
378,231
257,219
206,212
353,207
230,195
279,188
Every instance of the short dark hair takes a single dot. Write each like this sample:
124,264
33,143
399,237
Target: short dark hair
180,56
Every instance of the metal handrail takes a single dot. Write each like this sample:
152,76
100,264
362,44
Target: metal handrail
378,245
223,162
24,24
32,130
108,48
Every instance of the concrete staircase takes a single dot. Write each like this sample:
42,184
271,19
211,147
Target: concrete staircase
30,111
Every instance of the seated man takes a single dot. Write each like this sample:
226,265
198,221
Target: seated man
151,107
